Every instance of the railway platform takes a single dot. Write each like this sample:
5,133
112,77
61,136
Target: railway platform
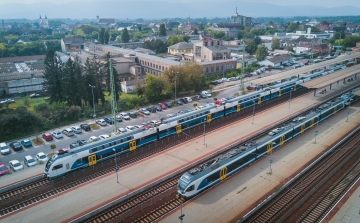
231,199
16,177
68,205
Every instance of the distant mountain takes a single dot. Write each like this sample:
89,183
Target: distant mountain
162,9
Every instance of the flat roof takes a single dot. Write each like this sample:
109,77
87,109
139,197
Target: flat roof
302,70
357,93
332,78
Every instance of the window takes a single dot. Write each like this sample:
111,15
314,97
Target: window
57,167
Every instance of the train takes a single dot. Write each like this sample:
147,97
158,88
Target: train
95,152
219,168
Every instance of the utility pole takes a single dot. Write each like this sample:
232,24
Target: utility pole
312,51
338,46
242,89
113,97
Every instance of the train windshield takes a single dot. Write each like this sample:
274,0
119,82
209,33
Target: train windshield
182,185
48,164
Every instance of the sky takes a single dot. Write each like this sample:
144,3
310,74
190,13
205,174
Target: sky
326,3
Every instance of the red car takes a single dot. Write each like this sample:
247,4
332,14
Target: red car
162,105
3,169
47,136
63,150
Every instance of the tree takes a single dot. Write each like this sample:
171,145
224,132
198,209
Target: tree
162,30
55,45
257,40
160,46
101,36
292,27
251,47
73,84
195,32
261,52
53,76
174,39
93,77
275,44
106,36
125,36
154,88
241,34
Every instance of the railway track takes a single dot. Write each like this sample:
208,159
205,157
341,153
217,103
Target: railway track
282,206
21,197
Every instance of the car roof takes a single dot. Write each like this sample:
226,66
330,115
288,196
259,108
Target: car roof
14,161
41,153
28,157
47,133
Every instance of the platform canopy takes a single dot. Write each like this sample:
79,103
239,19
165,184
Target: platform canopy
303,70
333,77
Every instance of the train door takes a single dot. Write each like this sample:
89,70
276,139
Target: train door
335,108
269,147
282,140
208,118
259,100
178,129
238,108
132,145
302,130
279,93
223,173
311,123
295,87
92,159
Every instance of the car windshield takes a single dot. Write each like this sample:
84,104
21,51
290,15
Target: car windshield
2,168
42,157
17,164
31,160
16,144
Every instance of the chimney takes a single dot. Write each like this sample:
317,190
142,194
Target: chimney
309,30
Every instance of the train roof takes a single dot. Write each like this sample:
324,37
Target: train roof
243,97
179,117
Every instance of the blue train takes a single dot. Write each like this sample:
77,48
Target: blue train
92,153
207,174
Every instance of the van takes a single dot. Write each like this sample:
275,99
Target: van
4,149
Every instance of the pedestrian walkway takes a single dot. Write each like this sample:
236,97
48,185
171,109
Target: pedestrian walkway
228,200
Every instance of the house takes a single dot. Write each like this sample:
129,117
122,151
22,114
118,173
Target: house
72,45
209,49
276,60
105,21
319,48
181,48
24,41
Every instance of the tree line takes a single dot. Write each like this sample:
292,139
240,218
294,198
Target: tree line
28,49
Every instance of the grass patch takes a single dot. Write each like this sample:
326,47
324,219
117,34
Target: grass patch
38,142
94,126
28,103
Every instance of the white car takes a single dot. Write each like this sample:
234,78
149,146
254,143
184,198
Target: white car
139,126
30,161
188,99
125,116
68,132
57,134
15,165
122,130
105,136
41,157
93,139
130,128
76,129
101,122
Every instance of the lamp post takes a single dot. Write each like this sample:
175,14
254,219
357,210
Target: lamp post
317,125
253,115
175,82
204,129
92,89
290,96
116,168
181,217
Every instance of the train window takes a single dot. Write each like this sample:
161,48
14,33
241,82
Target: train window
129,138
103,147
181,120
114,143
57,167
121,140
191,188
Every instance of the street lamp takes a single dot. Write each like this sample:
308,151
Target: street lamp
175,82
290,96
116,168
204,129
253,115
181,217
317,125
92,89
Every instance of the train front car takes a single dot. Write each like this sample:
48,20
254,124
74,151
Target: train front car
49,167
186,186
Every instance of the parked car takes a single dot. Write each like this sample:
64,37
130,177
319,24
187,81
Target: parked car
101,122
85,127
68,132
202,95
178,102
279,67
57,134
206,93
151,109
15,165
74,145
41,157
47,136
196,97
122,130
109,120
168,104
162,105
3,169
125,116
7,101
93,139
170,115
119,118
26,143
4,149
76,129
132,115
130,128
184,100
144,111
157,107
188,99
104,136
63,150
16,146
29,161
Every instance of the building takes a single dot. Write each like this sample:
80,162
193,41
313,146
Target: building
105,21
72,45
229,31
209,49
181,48
237,19
44,23
319,48
276,60
356,49
310,35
